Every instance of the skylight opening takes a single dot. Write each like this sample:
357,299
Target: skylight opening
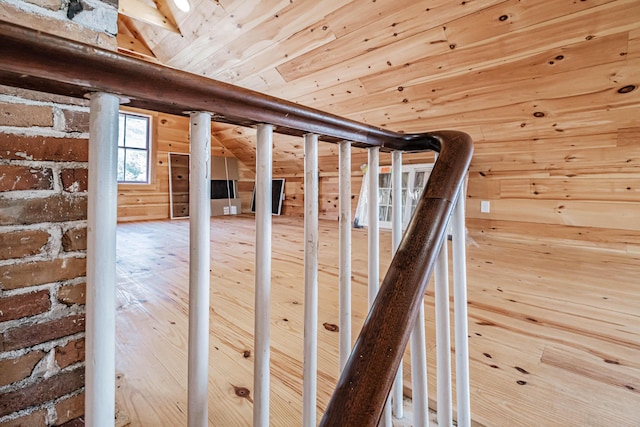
183,5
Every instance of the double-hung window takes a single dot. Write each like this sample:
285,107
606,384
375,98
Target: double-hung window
134,147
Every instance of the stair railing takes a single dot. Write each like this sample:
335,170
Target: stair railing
365,383
46,63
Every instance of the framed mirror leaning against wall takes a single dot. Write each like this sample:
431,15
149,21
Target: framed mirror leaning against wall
179,185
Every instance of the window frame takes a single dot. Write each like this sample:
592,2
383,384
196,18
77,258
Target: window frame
151,184
146,150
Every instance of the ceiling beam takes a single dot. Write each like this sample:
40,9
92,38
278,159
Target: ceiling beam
142,12
130,42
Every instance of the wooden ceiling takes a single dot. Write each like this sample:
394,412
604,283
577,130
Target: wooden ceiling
499,70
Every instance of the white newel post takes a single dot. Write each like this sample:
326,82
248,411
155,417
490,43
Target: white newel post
396,237
199,264
310,362
261,375
101,261
345,251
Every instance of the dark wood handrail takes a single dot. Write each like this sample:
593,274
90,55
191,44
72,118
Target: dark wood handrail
34,60
37,61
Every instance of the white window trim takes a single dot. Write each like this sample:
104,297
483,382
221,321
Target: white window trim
149,149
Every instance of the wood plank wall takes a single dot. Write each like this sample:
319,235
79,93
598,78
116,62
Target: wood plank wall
582,189
549,90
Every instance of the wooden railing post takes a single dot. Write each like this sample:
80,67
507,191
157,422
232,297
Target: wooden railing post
396,236
101,261
310,362
443,337
373,235
460,311
199,264
373,227
345,251
261,375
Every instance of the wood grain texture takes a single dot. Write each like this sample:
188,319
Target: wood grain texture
588,183
554,333
548,91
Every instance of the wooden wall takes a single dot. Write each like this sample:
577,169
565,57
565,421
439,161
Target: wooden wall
170,133
581,189
549,91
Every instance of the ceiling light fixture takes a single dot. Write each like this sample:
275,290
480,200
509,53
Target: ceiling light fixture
183,5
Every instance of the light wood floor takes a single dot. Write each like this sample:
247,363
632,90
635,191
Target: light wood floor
554,331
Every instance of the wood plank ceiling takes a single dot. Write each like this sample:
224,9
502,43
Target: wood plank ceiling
492,68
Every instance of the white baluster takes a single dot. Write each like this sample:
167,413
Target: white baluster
261,376
310,280
460,312
345,251
374,244
374,225
419,386
443,337
199,264
396,236
101,261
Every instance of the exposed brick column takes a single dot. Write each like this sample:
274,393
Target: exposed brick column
43,211
43,208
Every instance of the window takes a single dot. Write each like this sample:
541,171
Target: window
414,178
133,148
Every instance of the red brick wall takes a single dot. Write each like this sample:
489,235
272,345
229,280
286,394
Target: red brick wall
43,210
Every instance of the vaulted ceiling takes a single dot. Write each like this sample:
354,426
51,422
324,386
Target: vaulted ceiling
497,69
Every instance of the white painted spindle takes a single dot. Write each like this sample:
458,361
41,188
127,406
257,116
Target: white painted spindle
396,236
443,337
374,243
460,312
310,363
101,261
345,251
199,263
261,375
374,224
419,389
419,385
387,420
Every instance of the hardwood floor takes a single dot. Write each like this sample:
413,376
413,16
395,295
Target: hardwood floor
554,331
